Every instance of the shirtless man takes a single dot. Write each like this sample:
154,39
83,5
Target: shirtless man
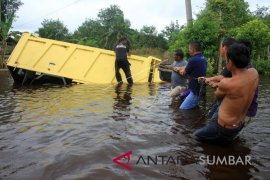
214,81
236,94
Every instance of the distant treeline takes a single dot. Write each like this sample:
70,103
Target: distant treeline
219,19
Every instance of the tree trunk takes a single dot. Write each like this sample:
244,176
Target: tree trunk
220,58
2,53
268,52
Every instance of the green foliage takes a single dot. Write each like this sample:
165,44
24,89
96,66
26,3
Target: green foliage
262,66
258,33
210,67
263,13
53,29
89,33
204,31
105,30
170,30
225,18
8,7
149,38
114,24
229,13
146,52
5,26
8,10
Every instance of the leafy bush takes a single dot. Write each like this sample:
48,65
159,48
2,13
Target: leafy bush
262,66
210,67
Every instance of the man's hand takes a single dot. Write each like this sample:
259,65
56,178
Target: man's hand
211,81
213,84
201,79
176,69
183,71
169,67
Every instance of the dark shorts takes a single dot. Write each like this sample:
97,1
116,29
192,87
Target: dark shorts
213,132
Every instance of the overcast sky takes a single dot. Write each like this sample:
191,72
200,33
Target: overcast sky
73,13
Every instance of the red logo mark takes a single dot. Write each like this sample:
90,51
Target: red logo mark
126,155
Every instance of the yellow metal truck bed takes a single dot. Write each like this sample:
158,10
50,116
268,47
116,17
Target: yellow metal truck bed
79,63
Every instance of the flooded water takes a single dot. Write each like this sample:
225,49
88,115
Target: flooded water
74,132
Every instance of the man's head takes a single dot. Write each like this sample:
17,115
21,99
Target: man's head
194,48
226,43
178,55
237,56
247,43
123,40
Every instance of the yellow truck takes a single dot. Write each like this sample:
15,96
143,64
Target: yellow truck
40,60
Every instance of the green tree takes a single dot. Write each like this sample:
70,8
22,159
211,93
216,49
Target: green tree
170,30
229,13
213,23
149,38
258,33
8,10
204,31
53,29
110,25
89,33
104,32
262,13
8,7
114,24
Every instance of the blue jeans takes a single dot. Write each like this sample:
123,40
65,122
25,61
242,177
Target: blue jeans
190,102
214,108
213,132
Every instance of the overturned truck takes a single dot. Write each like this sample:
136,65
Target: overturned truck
38,60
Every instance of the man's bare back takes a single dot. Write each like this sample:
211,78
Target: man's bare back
237,93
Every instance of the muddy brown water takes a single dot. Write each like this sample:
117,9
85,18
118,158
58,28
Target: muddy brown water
74,132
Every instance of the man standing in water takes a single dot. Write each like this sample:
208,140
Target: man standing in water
195,68
214,81
121,51
236,94
178,82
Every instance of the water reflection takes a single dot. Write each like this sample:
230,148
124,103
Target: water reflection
121,106
237,151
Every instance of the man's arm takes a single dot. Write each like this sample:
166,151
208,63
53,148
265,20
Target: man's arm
217,78
221,89
181,70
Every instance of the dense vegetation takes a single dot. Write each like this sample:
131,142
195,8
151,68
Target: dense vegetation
219,19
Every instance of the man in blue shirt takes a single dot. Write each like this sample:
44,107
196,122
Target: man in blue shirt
195,68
